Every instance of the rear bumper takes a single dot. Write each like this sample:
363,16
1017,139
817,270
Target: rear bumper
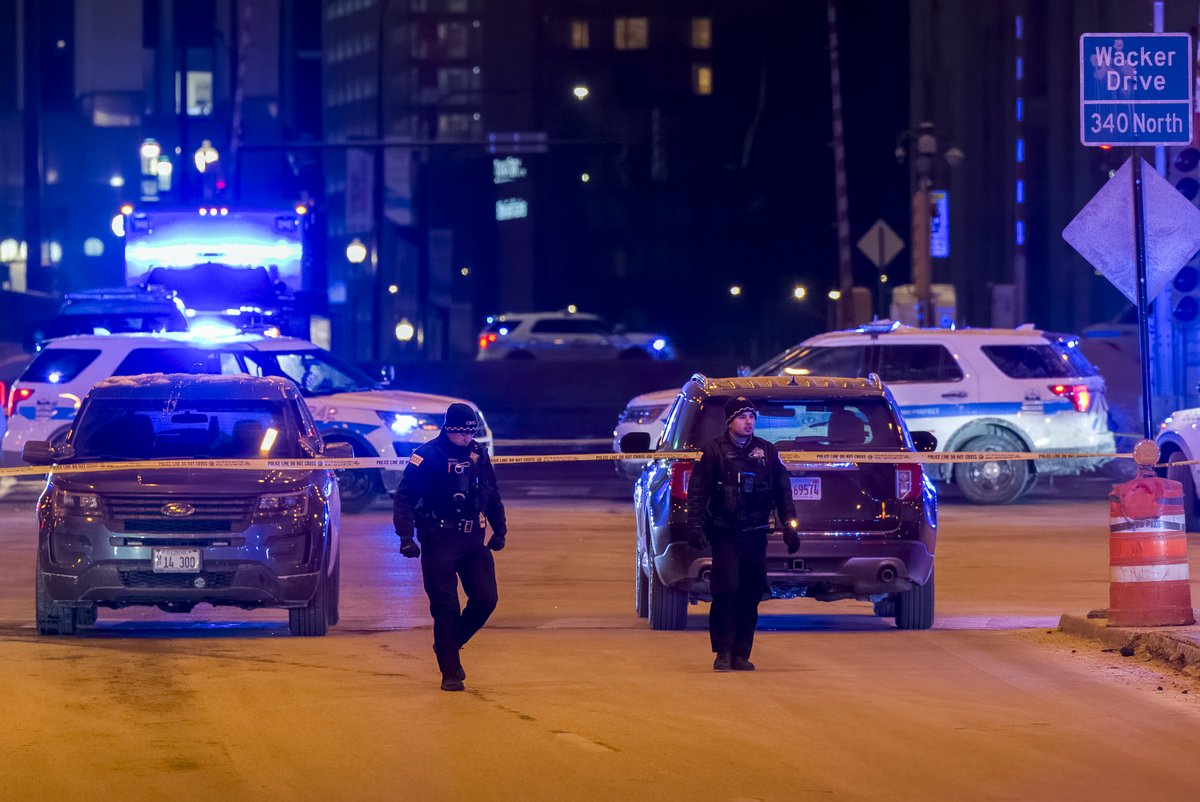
841,566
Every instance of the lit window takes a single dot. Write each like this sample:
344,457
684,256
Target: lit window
702,33
199,93
631,33
701,79
579,34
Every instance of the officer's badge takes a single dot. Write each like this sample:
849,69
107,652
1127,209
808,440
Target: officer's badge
757,453
474,456
415,459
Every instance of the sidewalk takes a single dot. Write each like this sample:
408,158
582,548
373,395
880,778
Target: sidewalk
1178,646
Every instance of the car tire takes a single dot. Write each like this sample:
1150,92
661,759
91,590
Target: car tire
886,608
1183,475
999,482
520,356
52,619
311,620
358,488
333,594
914,607
667,606
641,589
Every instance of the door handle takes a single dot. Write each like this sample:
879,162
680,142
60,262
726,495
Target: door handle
957,394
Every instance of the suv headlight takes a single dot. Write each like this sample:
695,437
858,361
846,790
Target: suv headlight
77,503
282,504
403,424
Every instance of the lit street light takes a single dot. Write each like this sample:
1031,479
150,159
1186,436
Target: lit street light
405,330
356,252
735,290
800,293
835,295
580,92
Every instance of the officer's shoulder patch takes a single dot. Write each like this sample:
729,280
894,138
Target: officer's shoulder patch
415,459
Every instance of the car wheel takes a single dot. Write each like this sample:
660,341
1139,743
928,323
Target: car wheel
886,608
333,593
358,489
641,590
998,482
667,606
1183,475
914,608
52,619
310,621
520,355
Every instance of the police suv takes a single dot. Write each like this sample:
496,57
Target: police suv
975,390
348,406
1179,441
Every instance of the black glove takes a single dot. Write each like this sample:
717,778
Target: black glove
696,538
409,547
496,541
791,537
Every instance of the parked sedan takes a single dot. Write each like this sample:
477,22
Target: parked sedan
868,530
174,537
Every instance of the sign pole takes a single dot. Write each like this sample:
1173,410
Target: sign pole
1139,249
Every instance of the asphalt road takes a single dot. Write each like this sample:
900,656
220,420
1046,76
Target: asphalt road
569,696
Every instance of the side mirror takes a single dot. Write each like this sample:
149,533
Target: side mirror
743,370
339,450
924,441
38,452
635,443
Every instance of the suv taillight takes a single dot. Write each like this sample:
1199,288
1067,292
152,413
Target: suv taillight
17,395
680,473
1080,395
908,481
485,340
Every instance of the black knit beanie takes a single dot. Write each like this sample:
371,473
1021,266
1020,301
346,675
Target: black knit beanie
460,419
736,406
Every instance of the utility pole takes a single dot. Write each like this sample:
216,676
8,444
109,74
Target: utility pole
845,308
32,96
925,145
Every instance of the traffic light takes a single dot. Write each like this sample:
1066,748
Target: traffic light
1183,171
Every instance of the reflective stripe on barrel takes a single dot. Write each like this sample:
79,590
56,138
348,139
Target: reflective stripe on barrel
1148,555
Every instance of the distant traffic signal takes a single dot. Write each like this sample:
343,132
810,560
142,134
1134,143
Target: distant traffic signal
1185,305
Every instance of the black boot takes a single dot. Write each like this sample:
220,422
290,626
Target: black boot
742,664
451,682
723,662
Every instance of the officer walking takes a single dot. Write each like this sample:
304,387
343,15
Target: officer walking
448,489
731,493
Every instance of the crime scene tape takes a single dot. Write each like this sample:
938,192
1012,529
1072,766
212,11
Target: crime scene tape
398,463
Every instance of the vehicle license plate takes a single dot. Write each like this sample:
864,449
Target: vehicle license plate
176,561
806,488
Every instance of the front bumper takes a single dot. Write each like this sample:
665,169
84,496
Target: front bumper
266,564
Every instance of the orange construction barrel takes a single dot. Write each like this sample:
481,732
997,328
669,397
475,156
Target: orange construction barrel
1148,555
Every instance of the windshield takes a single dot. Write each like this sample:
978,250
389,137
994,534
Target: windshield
315,372
123,429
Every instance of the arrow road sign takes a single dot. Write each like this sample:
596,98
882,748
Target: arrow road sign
880,244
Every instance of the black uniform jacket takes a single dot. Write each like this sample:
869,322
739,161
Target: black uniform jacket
734,488
436,472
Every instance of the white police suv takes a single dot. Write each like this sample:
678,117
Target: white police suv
1179,441
347,405
975,390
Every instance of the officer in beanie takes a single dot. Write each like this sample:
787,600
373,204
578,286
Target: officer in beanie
732,491
447,492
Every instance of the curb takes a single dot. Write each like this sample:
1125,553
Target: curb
1179,647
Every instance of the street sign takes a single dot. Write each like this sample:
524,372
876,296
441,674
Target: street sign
1103,232
1135,89
939,224
880,244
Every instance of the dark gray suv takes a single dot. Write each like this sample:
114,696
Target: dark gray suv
174,537
867,530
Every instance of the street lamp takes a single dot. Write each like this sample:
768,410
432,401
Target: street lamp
405,330
580,92
835,295
205,155
356,252
800,293
735,290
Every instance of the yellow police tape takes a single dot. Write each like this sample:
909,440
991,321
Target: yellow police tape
398,463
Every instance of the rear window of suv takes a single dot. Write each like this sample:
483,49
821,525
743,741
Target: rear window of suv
177,360
802,425
1031,362
57,365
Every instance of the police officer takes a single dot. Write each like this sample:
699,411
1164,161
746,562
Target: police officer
731,493
448,489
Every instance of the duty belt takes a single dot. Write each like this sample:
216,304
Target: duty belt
465,525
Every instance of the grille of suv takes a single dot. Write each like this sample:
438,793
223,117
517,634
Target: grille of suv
145,513
149,579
